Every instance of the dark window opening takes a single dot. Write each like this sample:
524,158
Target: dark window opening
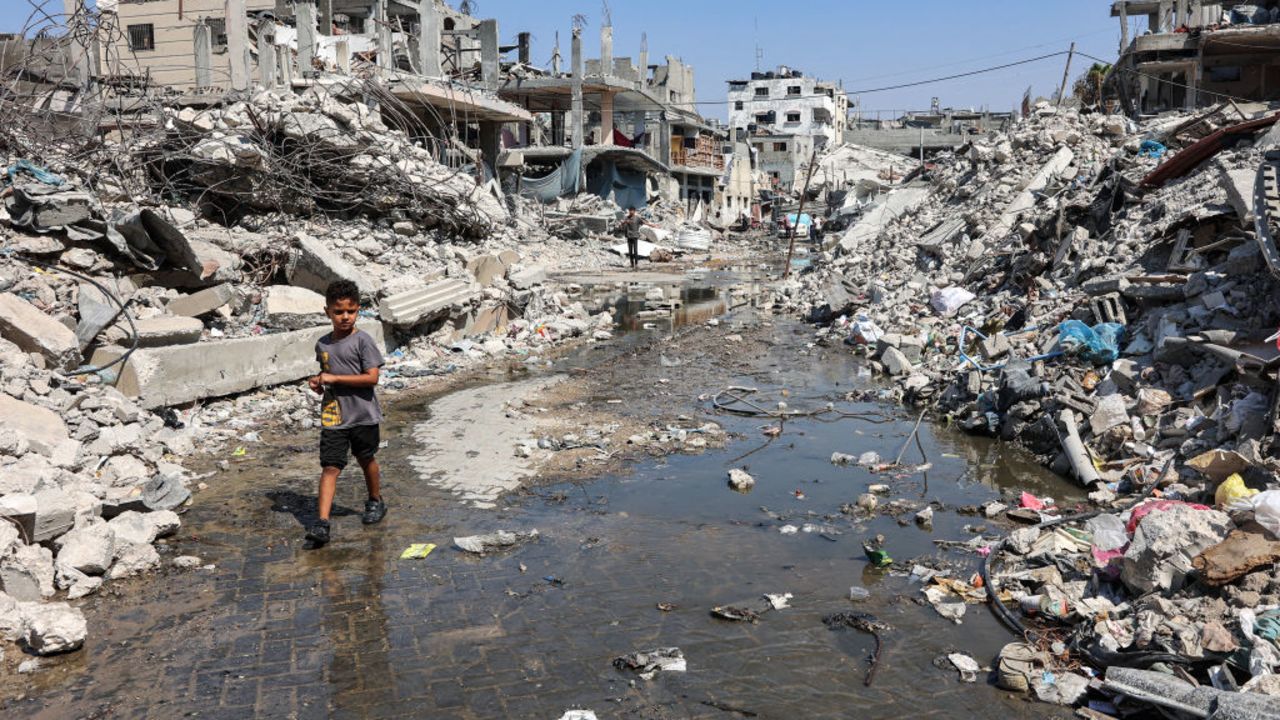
793,117
738,105
142,37
762,92
793,90
779,147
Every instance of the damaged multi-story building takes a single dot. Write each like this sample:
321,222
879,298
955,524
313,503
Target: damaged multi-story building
1192,53
628,127
786,116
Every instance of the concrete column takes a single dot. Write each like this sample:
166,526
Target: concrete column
1124,25
342,53
325,9
81,70
638,126
575,114
491,144
382,34
237,43
1163,21
523,45
664,139
606,50
606,118
429,42
557,128
555,57
304,16
267,53
202,42
284,61
644,59
489,61
1180,14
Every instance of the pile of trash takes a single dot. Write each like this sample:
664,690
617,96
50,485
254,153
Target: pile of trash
1098,292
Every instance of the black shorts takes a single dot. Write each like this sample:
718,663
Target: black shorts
361,441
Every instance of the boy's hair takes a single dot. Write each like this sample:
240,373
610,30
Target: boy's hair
341,290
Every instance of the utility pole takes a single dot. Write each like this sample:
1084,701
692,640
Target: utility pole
791,243
1065,74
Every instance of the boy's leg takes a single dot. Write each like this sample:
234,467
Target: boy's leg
372,476
328,487
364,445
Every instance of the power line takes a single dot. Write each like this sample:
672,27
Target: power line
917,83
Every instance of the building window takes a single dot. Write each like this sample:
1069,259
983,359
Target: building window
762,92
779,147
735,86
142,37
217,33
737,105
1224,73
793,90
793,117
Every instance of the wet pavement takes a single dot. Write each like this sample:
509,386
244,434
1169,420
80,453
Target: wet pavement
277,630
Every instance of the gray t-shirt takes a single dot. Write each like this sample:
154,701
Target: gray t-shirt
344,406
632,225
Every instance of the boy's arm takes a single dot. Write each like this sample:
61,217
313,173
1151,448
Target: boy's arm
368,378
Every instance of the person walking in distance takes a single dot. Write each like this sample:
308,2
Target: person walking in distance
631,224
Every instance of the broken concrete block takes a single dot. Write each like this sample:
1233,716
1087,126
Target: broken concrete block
486,268
138,528
19,509
44,207
202,302
1103,286
168,330
53,628
895,362
89,548
41,428
13,625
33,331
27,574
528,277
133,559
995,346
55,513
1164,543
410,308
9,537
293,308
314,266
157,377
1239,187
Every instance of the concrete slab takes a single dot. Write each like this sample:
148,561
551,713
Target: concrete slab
201,303
410,308
159,377
40,427
486,268
293,308
168,330
528,277
314,266
869,226
30,329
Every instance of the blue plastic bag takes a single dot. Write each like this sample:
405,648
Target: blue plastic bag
1152,149
1099,344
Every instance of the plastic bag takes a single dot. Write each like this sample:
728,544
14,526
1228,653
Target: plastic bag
1232,490
948,301
864,331
1266,509
1099,344
1152,149
1108,532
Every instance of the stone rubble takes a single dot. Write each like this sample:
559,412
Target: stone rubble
1118,331
218,236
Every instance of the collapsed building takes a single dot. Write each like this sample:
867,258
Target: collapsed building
1194,54
1101,293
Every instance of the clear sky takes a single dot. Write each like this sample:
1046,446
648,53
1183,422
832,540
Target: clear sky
865,43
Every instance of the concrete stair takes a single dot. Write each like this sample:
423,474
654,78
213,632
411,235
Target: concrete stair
412,307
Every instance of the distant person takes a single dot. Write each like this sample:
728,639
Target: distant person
631,224
816,230
350,417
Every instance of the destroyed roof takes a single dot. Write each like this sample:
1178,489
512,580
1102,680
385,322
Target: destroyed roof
623,156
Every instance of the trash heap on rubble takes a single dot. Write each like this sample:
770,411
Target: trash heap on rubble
162,291
1101,293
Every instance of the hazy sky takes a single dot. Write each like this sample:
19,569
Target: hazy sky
867,44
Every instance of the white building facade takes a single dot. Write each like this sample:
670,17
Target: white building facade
787,102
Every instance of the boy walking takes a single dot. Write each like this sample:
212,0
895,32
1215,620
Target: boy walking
349,412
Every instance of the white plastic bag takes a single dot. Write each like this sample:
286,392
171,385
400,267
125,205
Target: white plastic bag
1266,510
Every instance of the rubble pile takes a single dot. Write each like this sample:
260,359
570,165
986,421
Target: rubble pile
1044,285
162,291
